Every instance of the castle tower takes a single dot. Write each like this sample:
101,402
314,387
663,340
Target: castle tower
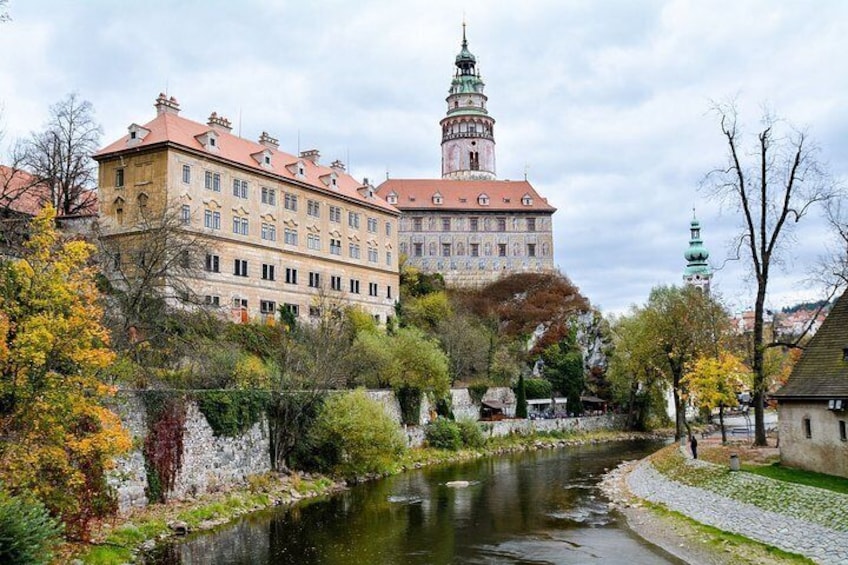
468,132
697,272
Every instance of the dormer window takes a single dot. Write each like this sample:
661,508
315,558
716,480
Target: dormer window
330,180
209,140
437,198
133,134
483,200
267,159
263,158
137,134
391,198
527,200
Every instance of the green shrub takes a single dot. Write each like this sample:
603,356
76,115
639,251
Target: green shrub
409,399
477,391
443,434
471,434
538,388
521,398
354,436
232,412
27,532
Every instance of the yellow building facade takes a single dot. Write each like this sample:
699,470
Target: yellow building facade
276,230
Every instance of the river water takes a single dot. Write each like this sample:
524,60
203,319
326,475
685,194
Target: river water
540,507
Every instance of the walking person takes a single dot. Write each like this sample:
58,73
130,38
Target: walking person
693,444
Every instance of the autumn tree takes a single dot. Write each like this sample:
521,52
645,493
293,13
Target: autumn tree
57,440
674,327
59,156
713,382
773,185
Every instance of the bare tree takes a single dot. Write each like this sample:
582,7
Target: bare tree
150,267
833,266
4,11
60,155
772,193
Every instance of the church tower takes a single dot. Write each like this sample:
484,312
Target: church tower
468,132
697,273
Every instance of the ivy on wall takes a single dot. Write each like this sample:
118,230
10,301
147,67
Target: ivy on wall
409,399
232,412
163,446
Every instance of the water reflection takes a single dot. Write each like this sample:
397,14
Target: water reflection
539,507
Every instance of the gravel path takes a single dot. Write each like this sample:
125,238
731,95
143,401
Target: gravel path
801,525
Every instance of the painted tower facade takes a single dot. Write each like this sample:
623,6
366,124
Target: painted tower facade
468,131
697,273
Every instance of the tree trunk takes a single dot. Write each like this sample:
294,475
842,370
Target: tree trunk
759,369
679,413
721,424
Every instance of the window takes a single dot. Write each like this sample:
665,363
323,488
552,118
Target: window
501,224
119,178
388,292
389,258
240,226
314,312
531,249
212,300
291,276
240,303
240,267
531,224
313,242
335,214
185,214
372,254
446,224
372,289
474,224
213,181
446,250
808,429
418,249
475,249
186,174
502,250
212,220
269,232
292,309
335,282
116,260
843,434
213,142
388,229
290,202
119,215
291,236
353,220
354,286
314,280
239,188
313,208
213,263
372,225
353,251
416,224
269,196
267,272
267,306
335,246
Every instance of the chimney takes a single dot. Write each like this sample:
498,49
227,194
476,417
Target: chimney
165,105
310,155
219,123
338,166
268,141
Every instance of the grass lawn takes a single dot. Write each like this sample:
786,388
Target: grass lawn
799,476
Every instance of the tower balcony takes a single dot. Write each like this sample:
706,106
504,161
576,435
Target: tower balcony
467,135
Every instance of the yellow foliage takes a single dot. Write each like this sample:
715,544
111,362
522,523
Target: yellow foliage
59,437
712,382
250,372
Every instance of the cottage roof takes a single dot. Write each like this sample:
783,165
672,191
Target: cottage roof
169,127
23,193
464,195
822,371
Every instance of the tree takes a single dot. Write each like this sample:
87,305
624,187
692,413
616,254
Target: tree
60,155
713,382
466,344
150,268
57,440
563,367
661,338
772,193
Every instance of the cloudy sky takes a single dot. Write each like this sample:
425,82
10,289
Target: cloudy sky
605,105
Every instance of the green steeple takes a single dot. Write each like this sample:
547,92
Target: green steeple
466,79
696,254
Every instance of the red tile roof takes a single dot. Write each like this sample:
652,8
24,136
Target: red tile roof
21,193
503,195
170,127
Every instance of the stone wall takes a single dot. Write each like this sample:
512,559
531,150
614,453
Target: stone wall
209,463
824,451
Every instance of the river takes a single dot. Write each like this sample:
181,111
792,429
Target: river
539,507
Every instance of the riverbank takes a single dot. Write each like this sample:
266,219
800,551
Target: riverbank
702,512
126,537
